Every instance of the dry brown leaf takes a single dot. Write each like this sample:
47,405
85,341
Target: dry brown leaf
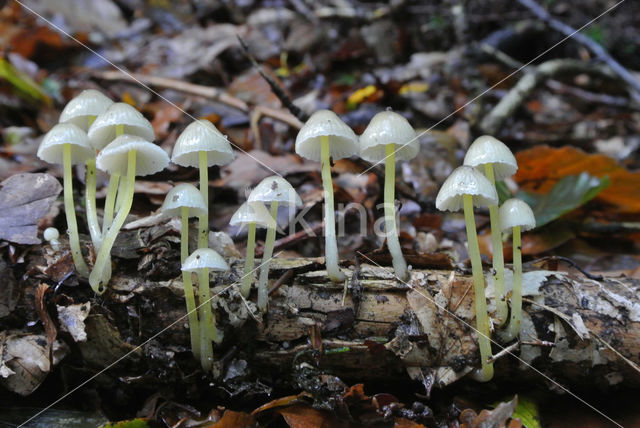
302,416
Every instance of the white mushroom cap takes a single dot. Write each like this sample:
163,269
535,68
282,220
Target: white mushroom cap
385,128
465,180
343,142
88,103
204,258
275,189
201,135
486,149
253,212
50,234
149,157
103,130
50,149
184,195
515,212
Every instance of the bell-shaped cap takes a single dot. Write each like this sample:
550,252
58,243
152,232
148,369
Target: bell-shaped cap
515,212
465,180
89,103
275,189
343,142
253,212
201,136
50,149
486,149
204,258
149,157
386,128
103,129
184,195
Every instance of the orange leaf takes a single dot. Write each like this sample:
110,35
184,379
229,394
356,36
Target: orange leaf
406,423
281,402
301,416
232,419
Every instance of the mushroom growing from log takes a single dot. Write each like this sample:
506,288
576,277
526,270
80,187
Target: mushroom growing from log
324,137
389,137
466,188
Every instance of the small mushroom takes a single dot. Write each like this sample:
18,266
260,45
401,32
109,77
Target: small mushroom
466,188
51,235
186,201
495,160
128,156
275,191
118,119
389,137
82,112
66,144
516,215
251,214
324,137
201,261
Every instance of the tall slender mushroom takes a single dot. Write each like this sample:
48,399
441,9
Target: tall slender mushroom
202,261
390,137
324,137
82,111
186,201
275,191
66,144
493,158
118,119
516,215
466,188
129,156
252,215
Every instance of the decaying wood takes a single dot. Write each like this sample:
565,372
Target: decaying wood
383,329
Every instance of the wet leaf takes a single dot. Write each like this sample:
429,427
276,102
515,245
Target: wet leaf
568,194
528,413
301,416
497,417
25,199
232,419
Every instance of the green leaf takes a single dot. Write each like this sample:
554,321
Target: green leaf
24,85
528,413
568,194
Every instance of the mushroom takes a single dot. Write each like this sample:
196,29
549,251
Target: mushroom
516,215
324,137
466,188
186,201
118,119
251,214
68,145
389,137
82,111
202,261
495,160
51,235
129,156
275,191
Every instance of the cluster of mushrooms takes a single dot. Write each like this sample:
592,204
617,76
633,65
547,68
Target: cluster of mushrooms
117,139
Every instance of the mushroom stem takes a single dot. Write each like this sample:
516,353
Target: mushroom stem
498,257
248,261
74,240
90,205
263,293
112,189
393,243
101,274
203,219
207,326
482,319
516,298
188,286
331,246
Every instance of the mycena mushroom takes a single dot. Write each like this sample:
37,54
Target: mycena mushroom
129,156
324,137
186,201
252,215
274,191
515,216
493,158
466,188
389,137
68,145
82,111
